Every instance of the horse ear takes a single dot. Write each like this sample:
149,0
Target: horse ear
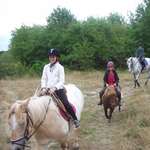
24,105
12,110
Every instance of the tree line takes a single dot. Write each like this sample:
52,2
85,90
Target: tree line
83,45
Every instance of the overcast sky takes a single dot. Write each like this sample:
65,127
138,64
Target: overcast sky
14,13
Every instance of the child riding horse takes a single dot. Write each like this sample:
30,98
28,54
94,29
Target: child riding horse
111,78
52,82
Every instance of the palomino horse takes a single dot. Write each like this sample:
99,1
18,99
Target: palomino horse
39,116
135,68
110,101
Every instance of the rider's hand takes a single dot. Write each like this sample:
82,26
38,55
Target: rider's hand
43,91
115,84
52,91
107,85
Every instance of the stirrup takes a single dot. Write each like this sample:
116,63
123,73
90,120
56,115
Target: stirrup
77,123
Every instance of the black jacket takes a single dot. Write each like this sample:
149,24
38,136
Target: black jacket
106,77
140,52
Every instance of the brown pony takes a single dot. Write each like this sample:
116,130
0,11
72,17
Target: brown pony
110,101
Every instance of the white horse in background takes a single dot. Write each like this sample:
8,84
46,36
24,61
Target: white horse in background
39,116
135,68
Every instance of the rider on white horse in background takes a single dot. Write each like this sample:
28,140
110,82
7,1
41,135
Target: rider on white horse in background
111,78
140,56
52,81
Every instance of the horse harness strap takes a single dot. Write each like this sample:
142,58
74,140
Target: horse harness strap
39,123
29,120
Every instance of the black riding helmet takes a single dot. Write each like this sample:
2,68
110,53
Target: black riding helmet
54,52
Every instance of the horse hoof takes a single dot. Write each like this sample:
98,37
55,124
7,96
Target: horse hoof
76,147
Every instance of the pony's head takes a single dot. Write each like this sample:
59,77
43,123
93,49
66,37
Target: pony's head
130,64
18,125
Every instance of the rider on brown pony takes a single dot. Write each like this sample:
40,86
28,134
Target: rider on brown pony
111,78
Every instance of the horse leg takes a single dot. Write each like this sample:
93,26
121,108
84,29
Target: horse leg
136,77
110,114
138,83
76,145
65,146
146,82
106,113
134,80
119,107
75,138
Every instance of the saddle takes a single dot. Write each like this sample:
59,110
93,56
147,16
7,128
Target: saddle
63,111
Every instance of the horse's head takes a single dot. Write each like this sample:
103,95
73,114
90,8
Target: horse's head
130,64
18,125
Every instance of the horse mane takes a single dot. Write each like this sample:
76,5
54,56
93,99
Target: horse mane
36,106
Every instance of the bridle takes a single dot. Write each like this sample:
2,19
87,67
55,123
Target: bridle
27,136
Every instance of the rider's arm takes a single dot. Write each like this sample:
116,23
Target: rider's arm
44,78
105,78
117,78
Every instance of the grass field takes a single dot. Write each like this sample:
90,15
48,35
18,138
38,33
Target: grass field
129,129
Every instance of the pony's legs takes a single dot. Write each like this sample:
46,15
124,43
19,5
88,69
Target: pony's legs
146,82
136,82
106,112
110,114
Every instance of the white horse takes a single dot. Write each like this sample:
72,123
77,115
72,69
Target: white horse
135,68
39,116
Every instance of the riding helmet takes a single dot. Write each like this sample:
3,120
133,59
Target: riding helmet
110,64
54,52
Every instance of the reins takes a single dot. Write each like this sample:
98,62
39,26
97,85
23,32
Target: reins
60,105
29,120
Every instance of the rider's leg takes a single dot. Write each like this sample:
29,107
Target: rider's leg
118,92
143,65
63,97
101,93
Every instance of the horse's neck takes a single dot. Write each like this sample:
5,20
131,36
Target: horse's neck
38,108
136,65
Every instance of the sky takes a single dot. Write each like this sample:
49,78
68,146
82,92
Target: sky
14,13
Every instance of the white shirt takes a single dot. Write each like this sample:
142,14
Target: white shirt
53,76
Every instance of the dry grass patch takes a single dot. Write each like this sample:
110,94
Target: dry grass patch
129,130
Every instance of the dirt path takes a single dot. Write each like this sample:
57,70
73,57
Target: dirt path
96,132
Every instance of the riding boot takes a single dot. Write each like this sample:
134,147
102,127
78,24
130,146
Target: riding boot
118,95
100,102
142,68
101,95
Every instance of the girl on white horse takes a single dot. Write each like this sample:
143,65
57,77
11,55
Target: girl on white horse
52,81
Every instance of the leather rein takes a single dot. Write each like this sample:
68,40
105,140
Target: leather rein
27,136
